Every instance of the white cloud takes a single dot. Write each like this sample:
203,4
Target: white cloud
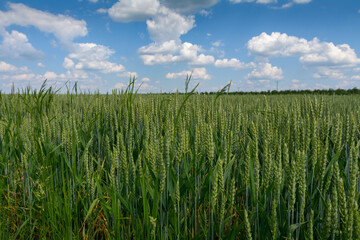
102,10
75,75
329,54
325,72
15,45
272,1
50,75
6,67
278,44
120,85
160,48
311,52
145,79
265,71
249,82
296,84
196,73
40,64
143,87
302,1
168,25
133,10
128,74
219,52
21,77
233,63
202,60
65,28
68,63
205,13
217,43
264,81
321,86
185,6
157,59
257,1
93,1
91,56
355,77
170,52
286,5
165,29
346,84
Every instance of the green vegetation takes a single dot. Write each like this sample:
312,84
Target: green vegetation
180,166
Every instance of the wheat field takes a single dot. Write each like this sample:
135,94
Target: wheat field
178,166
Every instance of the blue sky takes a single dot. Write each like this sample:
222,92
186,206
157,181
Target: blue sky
299,44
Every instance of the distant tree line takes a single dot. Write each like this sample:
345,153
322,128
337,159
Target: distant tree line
285,92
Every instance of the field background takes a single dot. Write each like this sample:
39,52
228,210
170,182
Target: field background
178,166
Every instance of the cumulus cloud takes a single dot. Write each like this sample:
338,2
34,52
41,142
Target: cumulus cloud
120,85
15,45
185,6
143,87
346,84
277,44
312,52
50,75
6,67
257,1
217,43
205,13
133,10
63,27
302,1
21,77
102,10
329,54
325,72
296,84
165,26
265,71
139,10
91,56
196,73
68,63
168,25
264,81
128,74
171,52
145,79
233,63
160,48
40,64
355,77
286,5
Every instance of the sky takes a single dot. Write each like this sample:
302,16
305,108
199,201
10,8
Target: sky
258,45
